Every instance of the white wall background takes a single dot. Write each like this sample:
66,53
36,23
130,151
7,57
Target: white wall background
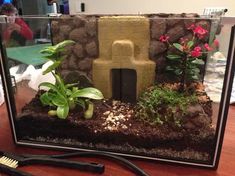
149,6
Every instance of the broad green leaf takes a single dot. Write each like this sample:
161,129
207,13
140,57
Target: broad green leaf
48,85
190,44
195,77
48,50
61,45
169,68
52,67
68,92
178,46
89,92
45,99
196,70
71,85
81,102
198,62
51,56
59,100
178,71
173,57
74,89
62,111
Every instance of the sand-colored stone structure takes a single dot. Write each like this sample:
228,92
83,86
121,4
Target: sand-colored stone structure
123,44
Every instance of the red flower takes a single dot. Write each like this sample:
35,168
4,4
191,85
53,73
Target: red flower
200,32
216,43
197,48
208,48
164,38
196,52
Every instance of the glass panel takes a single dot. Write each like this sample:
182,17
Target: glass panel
161,77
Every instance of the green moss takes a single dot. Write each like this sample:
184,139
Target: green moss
161,105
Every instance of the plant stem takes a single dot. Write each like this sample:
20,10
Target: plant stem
89,112
183,75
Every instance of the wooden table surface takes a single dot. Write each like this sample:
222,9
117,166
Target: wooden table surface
153,168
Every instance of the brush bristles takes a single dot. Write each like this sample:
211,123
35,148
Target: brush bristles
9,162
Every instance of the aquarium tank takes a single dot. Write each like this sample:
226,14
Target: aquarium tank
149,86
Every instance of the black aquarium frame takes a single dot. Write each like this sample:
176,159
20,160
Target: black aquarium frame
220,128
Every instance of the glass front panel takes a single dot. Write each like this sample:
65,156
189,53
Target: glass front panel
147,86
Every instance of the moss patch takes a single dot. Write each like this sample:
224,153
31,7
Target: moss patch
162,105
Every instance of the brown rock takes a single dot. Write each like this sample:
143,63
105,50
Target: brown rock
194,110
91,27
78,50
58,38
158,28
202,120
65,29
171,22
63,73
64,64
188,37
85,64
92,49
175,33
78,21
189,125
68,50
161,64
163,15
188,22
72,62
78,35
55,26
156,47
76,77
89,74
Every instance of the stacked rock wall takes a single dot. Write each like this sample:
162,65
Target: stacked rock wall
176,29
77,65
83,29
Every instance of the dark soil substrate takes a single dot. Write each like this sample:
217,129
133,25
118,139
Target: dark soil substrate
117,131
186,154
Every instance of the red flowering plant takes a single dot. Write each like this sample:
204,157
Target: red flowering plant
188,58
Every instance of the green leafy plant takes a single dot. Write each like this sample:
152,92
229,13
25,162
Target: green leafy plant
188,57
54,54
63,97
161,105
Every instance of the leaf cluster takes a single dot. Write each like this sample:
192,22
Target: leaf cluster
161,105
54,53
65,97
178,65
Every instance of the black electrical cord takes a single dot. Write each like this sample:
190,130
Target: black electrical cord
138,171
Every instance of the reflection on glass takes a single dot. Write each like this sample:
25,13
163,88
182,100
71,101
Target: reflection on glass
161,79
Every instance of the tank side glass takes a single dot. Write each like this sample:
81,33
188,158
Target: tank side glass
146,86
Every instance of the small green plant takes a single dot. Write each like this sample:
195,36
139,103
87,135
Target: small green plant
161,105
63,97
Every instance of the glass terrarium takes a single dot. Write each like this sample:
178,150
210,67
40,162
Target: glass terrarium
154,86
